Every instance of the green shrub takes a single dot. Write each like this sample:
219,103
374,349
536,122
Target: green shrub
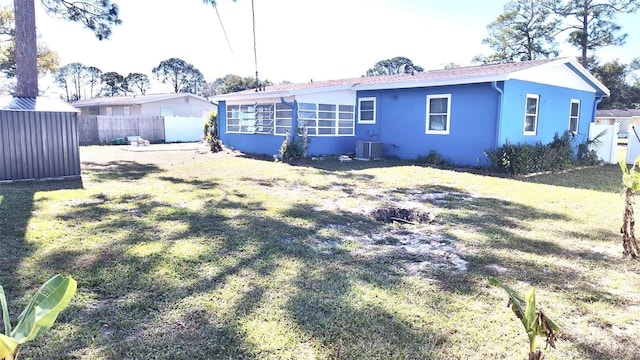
527,158
434,158
291,149
210,130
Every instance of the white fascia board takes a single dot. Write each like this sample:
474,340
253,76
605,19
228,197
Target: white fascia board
289,95
251,96
262,100
434,82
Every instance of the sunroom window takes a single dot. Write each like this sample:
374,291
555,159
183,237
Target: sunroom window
326,119
265,118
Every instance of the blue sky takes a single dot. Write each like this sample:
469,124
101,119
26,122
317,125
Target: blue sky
296,40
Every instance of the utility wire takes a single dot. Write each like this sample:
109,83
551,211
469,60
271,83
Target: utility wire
224,32
255,51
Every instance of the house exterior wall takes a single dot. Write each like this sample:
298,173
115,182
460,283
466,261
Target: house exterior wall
118,110
401,120
186,106
553,111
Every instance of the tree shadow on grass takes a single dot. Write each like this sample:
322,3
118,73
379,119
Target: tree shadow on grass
141,282
121,170
16,209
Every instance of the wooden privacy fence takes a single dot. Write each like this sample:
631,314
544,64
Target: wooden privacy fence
99,130
38,145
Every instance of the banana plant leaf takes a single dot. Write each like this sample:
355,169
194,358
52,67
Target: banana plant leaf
42,311
7,346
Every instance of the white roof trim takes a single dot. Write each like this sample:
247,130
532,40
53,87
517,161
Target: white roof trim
433,82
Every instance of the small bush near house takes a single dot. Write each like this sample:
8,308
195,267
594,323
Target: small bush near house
210,130
525,158
291,149
434,158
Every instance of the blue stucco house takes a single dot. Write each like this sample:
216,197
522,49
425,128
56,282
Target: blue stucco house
459,113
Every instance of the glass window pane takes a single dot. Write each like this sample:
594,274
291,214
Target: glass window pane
281,106
345,116
438,122
438,105
327,123
347,108
306,106
532,104
345,123
366,105
326,131
306,115
326,107
529,123
326,115
284,113
574,109
345,131
366,115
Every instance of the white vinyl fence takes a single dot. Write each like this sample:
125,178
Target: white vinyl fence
609,141
633,146
183,129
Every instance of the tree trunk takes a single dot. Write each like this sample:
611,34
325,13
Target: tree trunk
629,243
26,48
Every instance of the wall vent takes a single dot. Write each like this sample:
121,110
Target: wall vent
368,150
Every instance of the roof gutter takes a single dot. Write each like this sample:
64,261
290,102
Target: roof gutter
495,86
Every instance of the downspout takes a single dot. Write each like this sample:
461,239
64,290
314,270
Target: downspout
595,107
494,85
294,116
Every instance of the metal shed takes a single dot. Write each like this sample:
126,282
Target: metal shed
38,139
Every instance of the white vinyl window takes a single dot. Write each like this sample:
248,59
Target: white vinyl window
326,119
531,114
574,116
367,110
438,114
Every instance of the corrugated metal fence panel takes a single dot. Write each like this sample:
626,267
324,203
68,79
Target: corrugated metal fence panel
112,127
38,145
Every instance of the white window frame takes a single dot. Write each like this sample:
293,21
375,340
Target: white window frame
258,119
535,115
344,119
577,116
448,114
360,100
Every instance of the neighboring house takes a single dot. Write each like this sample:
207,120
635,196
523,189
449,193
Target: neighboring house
624,119
178,104
458,113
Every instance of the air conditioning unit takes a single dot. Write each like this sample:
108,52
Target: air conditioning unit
369,150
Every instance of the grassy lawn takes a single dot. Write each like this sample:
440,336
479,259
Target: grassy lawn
190,255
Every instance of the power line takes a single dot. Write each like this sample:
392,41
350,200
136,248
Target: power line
255,51
224,32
